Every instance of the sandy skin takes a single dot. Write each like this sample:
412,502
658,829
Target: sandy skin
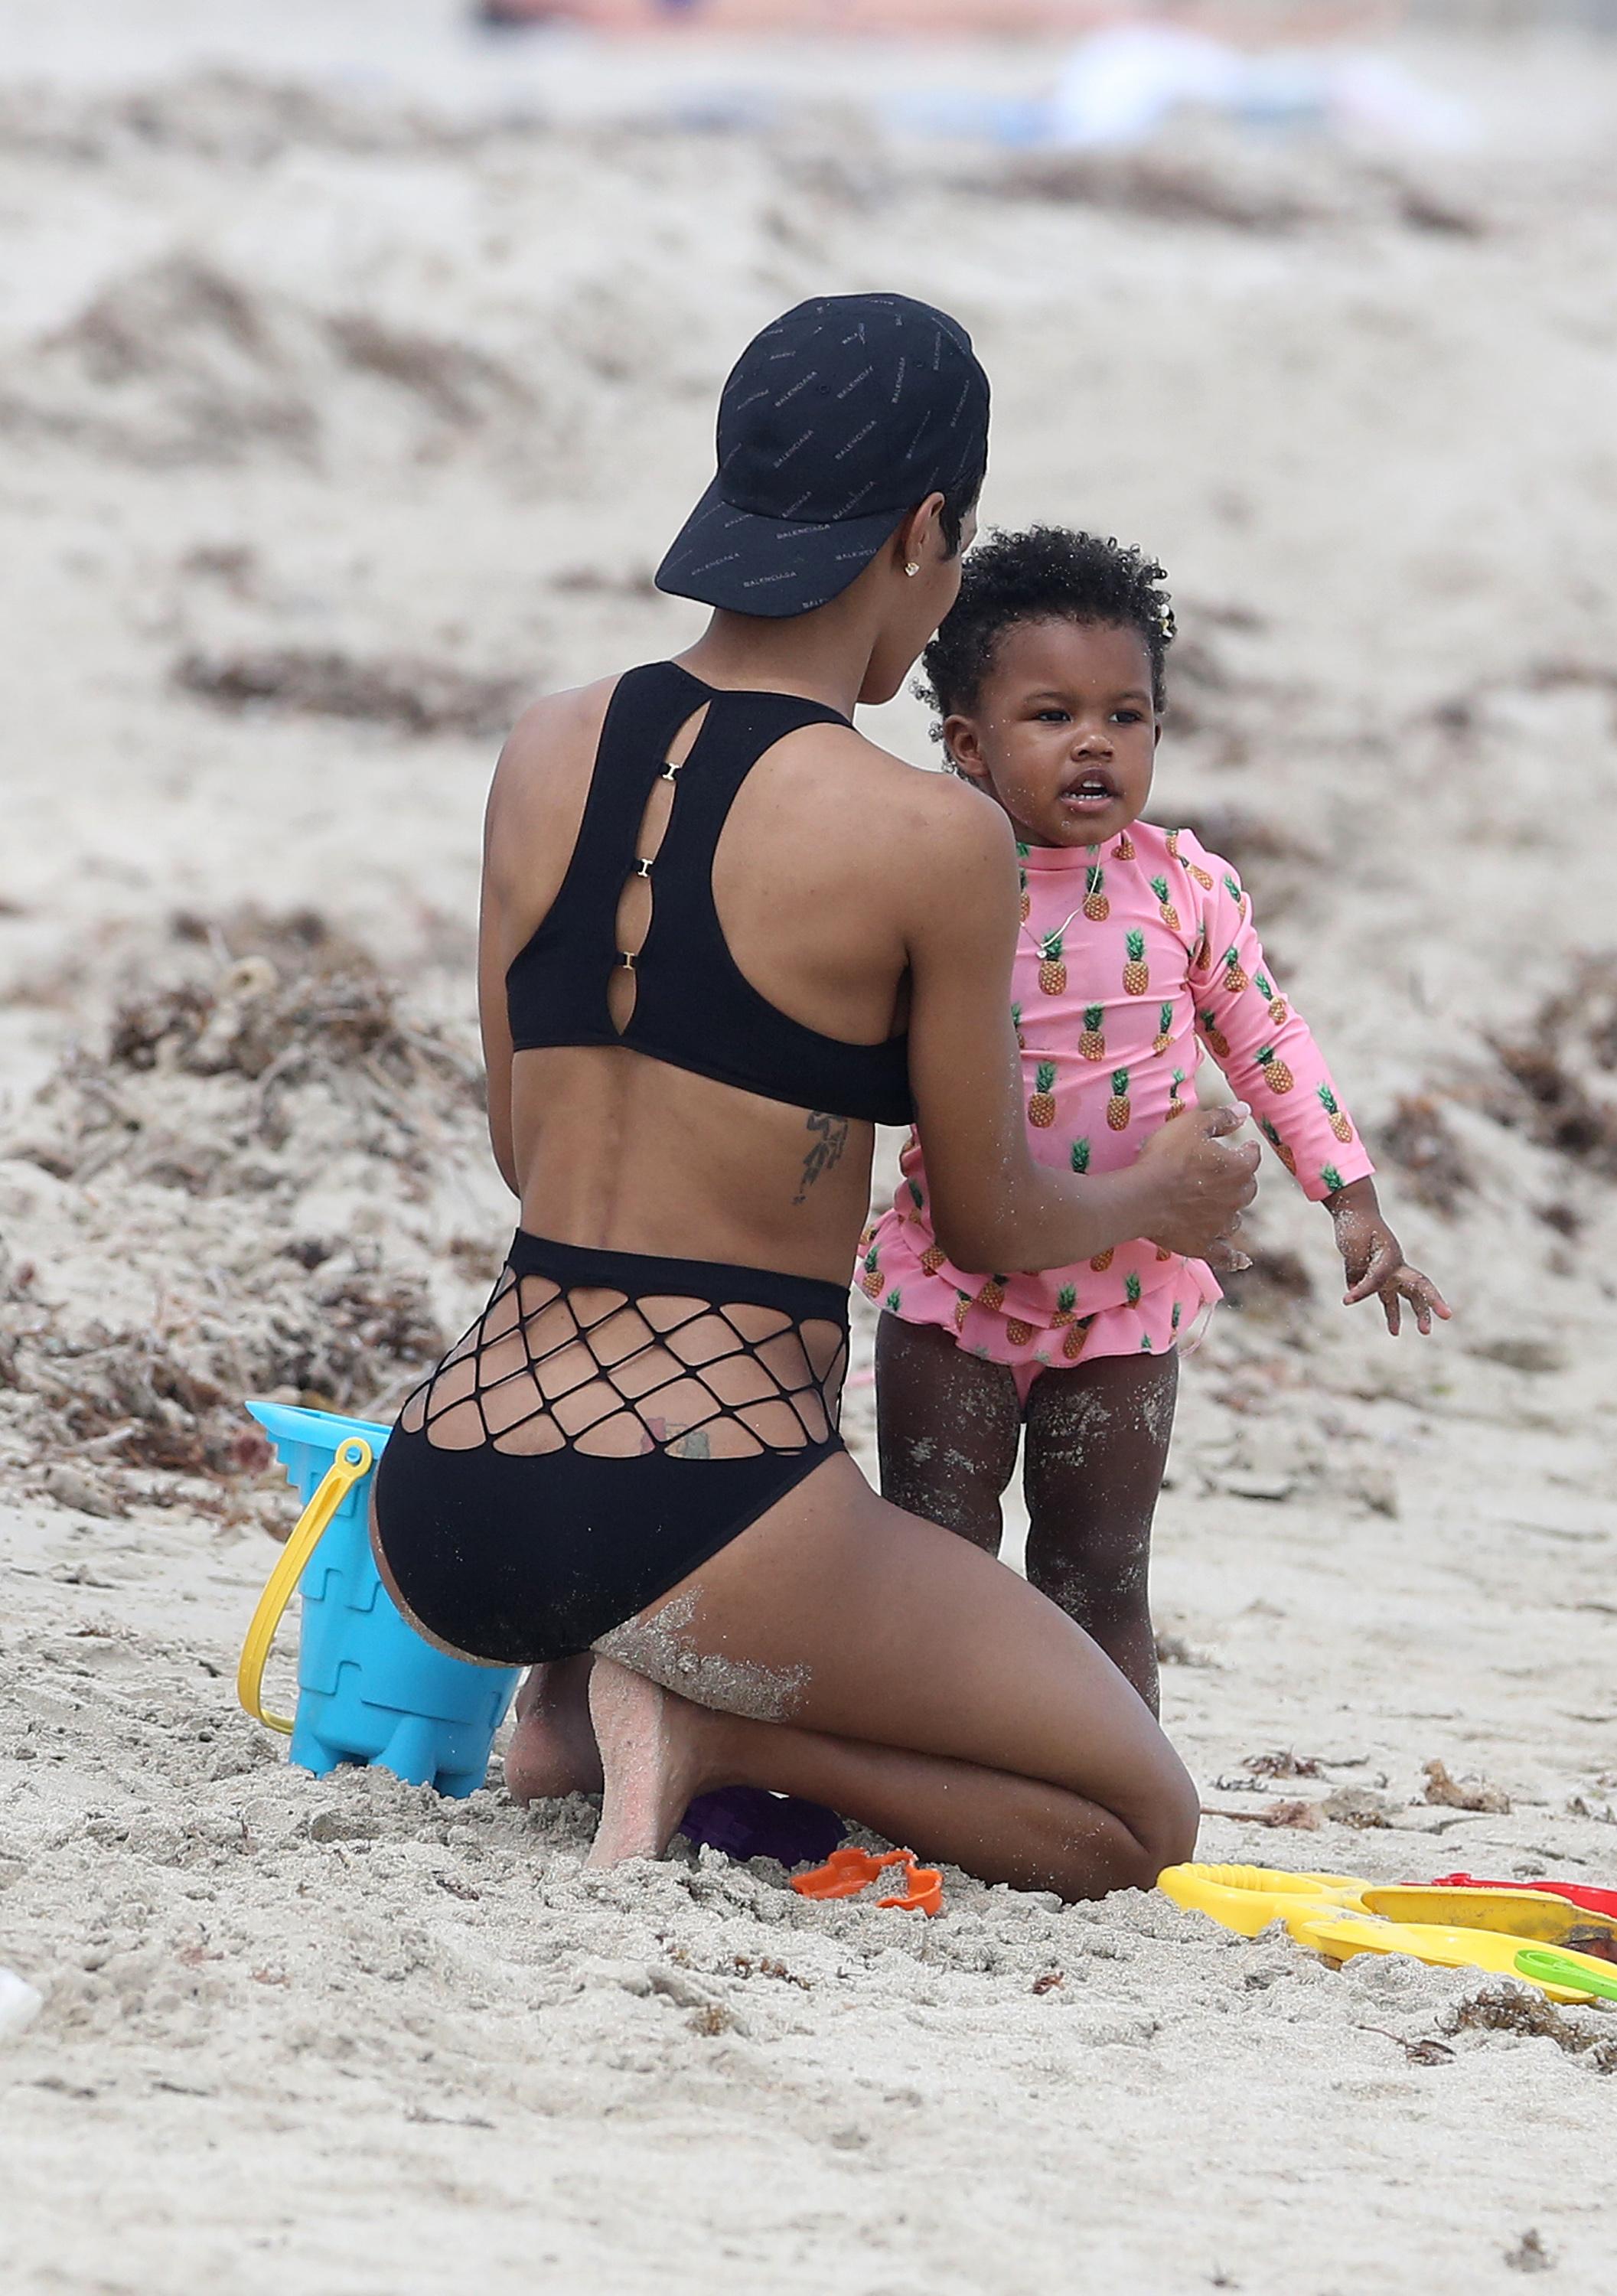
657,1752
589,1726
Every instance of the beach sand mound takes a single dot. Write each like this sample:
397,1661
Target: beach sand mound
232,118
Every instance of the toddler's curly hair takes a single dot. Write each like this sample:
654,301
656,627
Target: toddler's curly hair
1047,573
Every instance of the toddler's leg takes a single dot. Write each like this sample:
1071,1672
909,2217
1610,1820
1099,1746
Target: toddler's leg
948,1427
1097,1444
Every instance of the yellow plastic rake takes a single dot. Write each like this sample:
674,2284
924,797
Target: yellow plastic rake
1339,1916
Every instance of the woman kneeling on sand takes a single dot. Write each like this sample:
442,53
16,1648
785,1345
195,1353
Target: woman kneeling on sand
723,937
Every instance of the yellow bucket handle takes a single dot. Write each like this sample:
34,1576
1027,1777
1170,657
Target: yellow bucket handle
351,1464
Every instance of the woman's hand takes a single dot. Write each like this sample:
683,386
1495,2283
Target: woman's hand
1375,1261
1199,1181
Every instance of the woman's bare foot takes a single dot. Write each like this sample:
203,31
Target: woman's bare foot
553,1750
657,1751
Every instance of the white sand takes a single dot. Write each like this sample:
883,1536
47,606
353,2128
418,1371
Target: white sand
288,360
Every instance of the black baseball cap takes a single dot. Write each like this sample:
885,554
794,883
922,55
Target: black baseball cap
837,421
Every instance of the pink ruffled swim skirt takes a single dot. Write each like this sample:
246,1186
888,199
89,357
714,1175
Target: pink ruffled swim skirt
1171,1316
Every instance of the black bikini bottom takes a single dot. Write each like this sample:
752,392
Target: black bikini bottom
608,1423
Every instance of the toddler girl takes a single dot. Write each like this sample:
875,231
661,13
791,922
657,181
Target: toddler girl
1136,952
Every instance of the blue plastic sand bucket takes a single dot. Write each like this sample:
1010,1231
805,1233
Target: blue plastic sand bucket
369,1688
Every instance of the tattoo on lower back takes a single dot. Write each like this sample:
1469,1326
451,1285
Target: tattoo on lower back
830,1139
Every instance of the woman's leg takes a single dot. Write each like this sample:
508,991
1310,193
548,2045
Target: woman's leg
872,1661
1098,1445
947,1428
662,1750
553,1748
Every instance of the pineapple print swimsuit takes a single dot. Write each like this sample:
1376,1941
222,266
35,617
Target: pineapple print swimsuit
1135,957
612,1419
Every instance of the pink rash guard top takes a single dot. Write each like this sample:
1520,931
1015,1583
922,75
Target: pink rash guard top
1135,959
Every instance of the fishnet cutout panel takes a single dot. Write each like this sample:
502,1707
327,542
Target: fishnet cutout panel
545,1369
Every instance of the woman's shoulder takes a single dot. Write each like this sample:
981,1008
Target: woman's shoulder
951,820
551,745
905,826
536,801
552,721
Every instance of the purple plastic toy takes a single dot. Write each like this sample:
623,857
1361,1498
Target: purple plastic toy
747,1822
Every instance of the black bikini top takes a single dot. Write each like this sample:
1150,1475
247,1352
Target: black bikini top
693,1006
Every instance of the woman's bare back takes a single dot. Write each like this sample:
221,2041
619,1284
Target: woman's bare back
609,1148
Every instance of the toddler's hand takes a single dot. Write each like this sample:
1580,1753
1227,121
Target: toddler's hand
1375,1261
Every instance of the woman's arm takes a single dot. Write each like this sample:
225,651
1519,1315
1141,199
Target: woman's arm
492,1017
529,832
994,1206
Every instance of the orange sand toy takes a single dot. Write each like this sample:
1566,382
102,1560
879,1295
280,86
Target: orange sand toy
847,1872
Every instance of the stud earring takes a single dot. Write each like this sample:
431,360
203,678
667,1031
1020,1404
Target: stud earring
912,569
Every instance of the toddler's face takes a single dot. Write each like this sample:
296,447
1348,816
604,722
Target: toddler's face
1064,733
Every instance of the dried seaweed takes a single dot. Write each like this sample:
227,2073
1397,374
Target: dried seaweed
1202,174
1560,1080
1507,2007
1275,865
1174,1650
172,1401
291,1061
1169,187
175,361
406,691
1360,1808
185,360
250,1021
1469,1793
1419,1137
1416,2053
1276,1281
455,384
1565,1218
1598,1943
595,582
331,1023
1560,673
1302,1816
1520,1351
1244,839
1284,1764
